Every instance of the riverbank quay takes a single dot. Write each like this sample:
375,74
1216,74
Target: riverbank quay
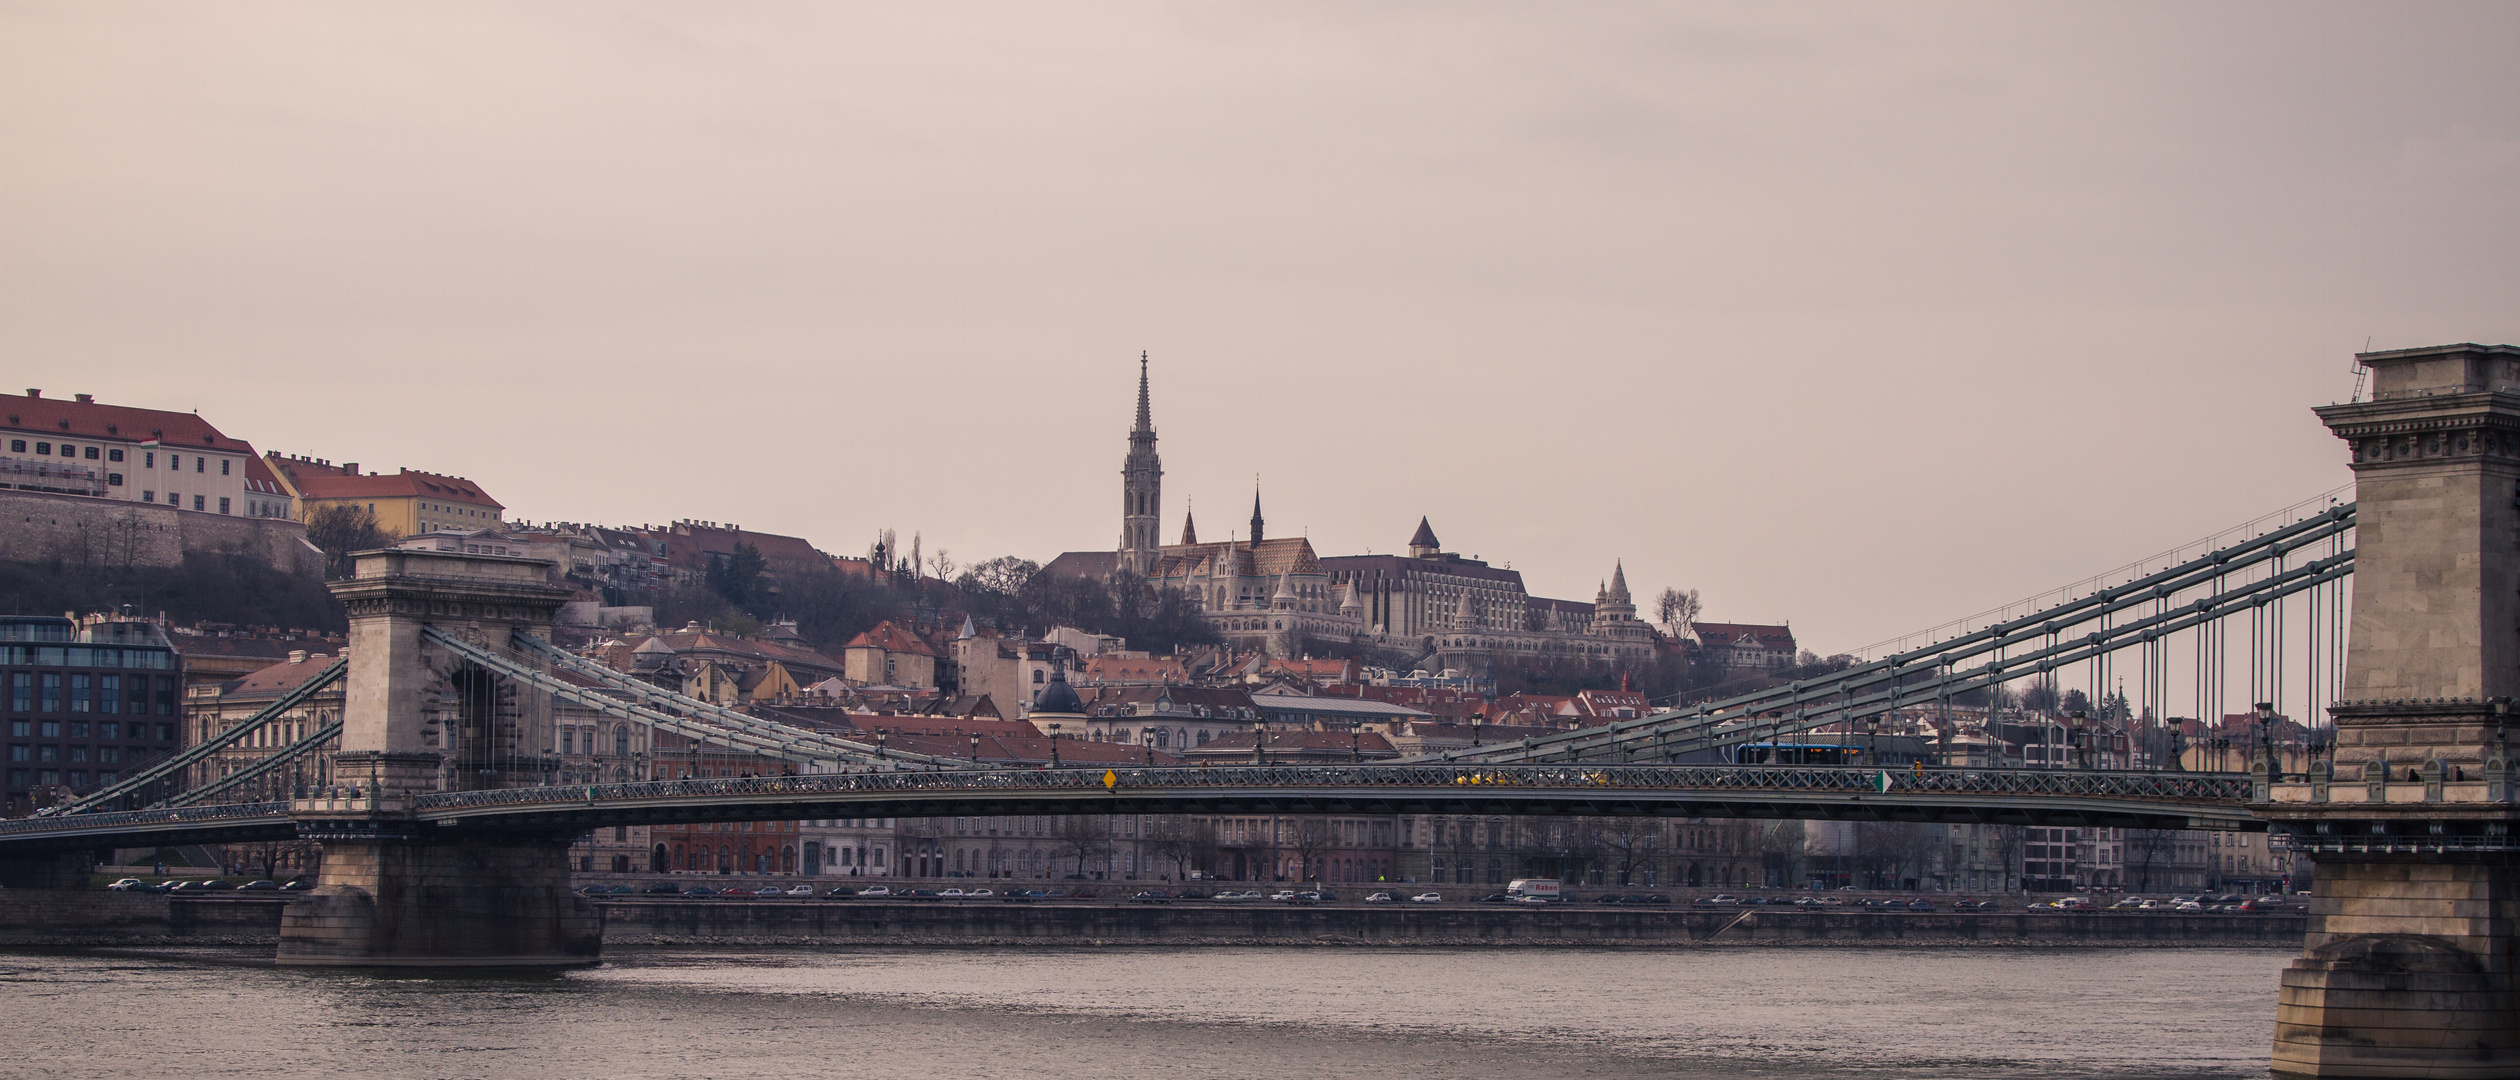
44,917
768,921
108,919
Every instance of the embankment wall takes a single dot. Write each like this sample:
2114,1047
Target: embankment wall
37,526
773,922
91,917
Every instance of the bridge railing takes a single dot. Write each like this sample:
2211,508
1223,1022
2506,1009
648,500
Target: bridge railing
115,820
2226,788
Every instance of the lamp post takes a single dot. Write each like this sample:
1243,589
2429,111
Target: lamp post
975,749
1054,744
879,741
2262,742
1260,742
1474,730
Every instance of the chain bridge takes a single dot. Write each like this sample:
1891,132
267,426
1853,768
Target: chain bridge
2403,796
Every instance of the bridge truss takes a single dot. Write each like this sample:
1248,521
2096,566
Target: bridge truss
2242,579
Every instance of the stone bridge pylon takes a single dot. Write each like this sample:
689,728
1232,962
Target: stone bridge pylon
2410,962
418,720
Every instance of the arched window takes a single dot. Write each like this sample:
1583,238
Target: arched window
1036,675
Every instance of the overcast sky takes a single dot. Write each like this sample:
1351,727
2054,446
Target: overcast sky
1862,317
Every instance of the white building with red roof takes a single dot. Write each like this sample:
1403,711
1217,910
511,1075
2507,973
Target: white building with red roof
80,446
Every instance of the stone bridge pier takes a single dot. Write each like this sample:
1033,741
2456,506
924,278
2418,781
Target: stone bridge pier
394,891
2410,962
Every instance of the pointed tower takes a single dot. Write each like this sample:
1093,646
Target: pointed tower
1284,599
1141,489
1257,529
1614,614
1189,528
1422,543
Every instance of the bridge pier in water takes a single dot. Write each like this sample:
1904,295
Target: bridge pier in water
2413,952
393,890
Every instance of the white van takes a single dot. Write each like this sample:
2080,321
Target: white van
1535,890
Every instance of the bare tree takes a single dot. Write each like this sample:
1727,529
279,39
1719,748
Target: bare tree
1628,841
1175,838
1310,838
339,529
1677,610
1082,837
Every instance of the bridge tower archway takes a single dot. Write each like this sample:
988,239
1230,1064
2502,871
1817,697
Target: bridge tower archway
2412,964
416,720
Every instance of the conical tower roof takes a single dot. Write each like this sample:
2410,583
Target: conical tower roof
1424,536
1189,528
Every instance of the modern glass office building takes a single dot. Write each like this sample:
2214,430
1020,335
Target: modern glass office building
84,704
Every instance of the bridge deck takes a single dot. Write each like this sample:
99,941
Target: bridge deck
1998,796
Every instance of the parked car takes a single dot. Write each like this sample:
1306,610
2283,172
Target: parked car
2190,906
1083,894
211,885
1609,898
661,888
770,890
1025,895
874,892
1283,896
1427,898
2274,903
801,890
840,892
1150,896
980,894
1920,904
697,891
2076,903
1382,898
1193,894
1495,898
1656,898
1317,896
297,885
1537,900
950,894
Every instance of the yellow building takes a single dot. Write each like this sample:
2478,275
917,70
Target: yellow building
404,502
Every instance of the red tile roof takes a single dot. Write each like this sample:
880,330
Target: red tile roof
891,638
277,679
91,420
403,484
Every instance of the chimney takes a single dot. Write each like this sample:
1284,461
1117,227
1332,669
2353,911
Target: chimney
349,468
34,393
297,656
84,399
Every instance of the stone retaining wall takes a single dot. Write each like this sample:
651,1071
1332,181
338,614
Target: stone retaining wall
36,526
90,917
775,922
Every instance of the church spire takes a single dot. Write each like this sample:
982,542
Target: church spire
1146,413
1189,528
1257,531
1141,489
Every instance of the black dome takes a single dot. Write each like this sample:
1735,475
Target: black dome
1058,697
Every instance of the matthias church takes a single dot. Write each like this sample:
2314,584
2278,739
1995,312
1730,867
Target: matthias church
1430,608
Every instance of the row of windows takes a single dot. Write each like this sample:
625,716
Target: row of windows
177,501
52,777
201,462
44,692
104,755
86,656
78,729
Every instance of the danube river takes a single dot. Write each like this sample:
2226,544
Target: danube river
1079,1014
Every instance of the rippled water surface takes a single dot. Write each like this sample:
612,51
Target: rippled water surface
1047,1014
